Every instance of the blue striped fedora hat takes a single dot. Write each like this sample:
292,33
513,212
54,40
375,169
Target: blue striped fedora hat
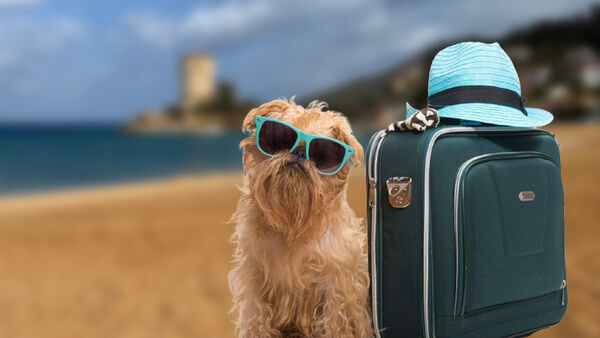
474,81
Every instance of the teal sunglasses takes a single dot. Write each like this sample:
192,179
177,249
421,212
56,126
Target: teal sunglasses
328,154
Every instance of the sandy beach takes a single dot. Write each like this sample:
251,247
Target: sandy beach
151,259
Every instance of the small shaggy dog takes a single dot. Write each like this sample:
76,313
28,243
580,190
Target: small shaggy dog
300,268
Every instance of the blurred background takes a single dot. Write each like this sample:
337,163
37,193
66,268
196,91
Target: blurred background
119,134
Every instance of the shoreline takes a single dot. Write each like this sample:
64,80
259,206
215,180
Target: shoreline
80,196
123,191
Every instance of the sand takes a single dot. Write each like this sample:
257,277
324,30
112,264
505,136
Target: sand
151,259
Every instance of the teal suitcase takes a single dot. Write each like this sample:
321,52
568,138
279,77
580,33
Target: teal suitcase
466,232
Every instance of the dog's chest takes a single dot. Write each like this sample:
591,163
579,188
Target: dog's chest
306,266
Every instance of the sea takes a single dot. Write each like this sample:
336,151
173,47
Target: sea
46,158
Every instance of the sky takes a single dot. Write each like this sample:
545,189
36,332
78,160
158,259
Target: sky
105,61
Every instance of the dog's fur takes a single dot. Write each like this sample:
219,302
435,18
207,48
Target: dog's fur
300,267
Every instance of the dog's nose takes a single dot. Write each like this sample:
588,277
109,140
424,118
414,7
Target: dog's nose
299,152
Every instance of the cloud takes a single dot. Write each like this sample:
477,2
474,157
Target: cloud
59,34
206,24
22,40
226,22
32,60
53,32
6,58
14,4
152,29
232,21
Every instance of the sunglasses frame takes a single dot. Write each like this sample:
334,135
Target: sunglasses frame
307,138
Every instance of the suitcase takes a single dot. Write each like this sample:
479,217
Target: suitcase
466,232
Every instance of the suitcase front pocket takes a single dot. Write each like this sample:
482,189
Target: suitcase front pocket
509,231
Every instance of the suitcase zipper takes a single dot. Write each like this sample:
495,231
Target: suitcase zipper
372,173
434,137
373,204
562,289
457,185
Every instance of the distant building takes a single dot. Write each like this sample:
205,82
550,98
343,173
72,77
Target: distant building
519,53
197,88
197,81
402,81
584,64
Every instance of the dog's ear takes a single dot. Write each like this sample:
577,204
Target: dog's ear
343,133
270,109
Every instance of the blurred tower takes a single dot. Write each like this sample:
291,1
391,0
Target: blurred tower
198,86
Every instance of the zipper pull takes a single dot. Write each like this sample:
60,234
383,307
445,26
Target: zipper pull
558,143
563,285
372,186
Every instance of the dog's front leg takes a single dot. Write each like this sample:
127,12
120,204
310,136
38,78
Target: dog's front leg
345,306
255,313
256,320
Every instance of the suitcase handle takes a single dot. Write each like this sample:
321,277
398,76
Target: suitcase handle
422,120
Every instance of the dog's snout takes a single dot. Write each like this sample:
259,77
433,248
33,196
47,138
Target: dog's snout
298,157
299,153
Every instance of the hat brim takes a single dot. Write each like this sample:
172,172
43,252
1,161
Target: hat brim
495,114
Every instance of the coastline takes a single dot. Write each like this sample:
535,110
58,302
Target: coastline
117,192
209,184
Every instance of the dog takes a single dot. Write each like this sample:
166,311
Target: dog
300,269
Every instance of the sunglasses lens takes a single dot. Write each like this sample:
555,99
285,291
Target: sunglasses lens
327,155
274,137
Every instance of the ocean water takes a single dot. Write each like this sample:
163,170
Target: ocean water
48,158
43,158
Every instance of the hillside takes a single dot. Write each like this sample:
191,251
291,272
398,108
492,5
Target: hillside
558,63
